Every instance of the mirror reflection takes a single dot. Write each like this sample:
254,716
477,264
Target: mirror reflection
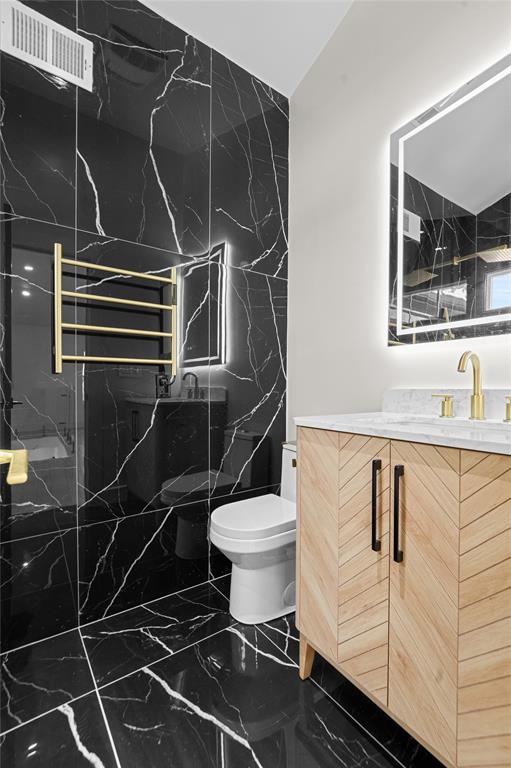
451,216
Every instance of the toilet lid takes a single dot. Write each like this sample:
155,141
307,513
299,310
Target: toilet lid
255,518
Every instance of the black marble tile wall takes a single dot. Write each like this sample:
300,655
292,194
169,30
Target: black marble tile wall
151,104
176,160
249,147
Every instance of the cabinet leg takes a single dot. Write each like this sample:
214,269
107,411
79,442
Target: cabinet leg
307,654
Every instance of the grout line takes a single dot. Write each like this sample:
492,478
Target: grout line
164,658
55,532
123,518
101,687
209,297
112,238
150,602
110,616
107,725
345,711
43,714
41,640
215,586
370,735
190,645
75,365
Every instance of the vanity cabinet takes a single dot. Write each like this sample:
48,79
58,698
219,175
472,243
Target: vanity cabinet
404,584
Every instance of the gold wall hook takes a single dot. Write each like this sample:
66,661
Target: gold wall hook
18,465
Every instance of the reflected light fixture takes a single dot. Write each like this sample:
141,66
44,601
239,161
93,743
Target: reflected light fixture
28,268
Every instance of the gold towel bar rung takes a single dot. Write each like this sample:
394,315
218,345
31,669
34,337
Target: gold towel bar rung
113,300
118,271
112,329
133,360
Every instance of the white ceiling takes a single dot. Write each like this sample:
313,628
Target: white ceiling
276,40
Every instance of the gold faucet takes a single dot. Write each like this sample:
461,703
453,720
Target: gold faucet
477,398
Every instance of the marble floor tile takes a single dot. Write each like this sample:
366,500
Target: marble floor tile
72,736
121,644
42,676
401,745
232,700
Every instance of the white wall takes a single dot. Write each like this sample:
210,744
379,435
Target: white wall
386,63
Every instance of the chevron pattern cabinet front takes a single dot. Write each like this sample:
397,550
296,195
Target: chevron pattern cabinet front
484,668
424,595
364,571
404,584
317,538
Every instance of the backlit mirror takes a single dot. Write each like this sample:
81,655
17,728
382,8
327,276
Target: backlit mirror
450,228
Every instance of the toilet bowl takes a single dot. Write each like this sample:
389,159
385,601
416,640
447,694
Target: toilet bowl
258,535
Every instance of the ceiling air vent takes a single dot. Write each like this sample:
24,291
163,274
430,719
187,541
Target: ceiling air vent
411,225
31,37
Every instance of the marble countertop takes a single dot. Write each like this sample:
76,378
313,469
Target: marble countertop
490,436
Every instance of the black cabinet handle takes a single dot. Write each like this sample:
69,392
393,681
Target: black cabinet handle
399,471
375,543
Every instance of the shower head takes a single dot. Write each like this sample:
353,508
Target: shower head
418,277
496,254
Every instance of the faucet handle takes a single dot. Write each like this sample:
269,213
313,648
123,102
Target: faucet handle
18,465
508,408
447,405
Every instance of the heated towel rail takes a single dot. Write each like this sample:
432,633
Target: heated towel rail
60,326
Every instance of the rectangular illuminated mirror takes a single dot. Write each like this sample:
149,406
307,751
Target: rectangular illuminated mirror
450,217
203,310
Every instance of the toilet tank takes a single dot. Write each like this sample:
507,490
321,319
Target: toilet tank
288,477
247,457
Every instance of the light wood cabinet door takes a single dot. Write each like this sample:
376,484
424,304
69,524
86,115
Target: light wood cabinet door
364,492
423,637
484,670
317,531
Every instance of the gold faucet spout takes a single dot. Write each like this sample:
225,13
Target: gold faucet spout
477,398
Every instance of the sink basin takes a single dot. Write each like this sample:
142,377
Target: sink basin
428,422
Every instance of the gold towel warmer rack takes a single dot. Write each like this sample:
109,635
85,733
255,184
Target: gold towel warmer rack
59,325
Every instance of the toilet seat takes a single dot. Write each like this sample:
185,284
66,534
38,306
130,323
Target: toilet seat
259,518
251,546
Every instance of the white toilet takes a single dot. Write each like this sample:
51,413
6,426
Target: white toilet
258,535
